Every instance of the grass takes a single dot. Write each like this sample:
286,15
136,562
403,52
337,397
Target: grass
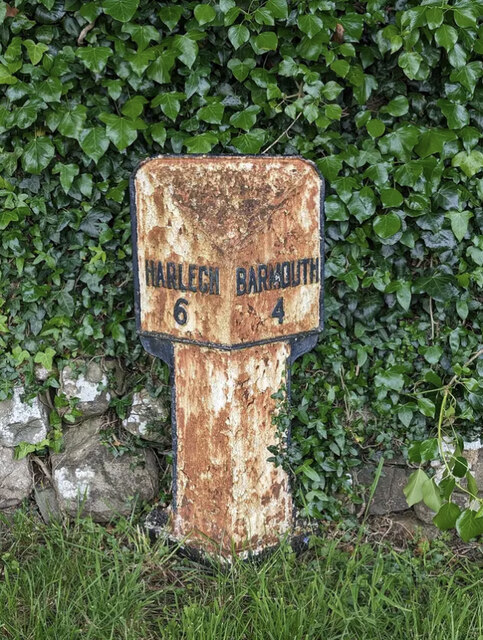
88,582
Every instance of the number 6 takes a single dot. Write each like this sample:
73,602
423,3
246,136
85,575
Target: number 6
179,312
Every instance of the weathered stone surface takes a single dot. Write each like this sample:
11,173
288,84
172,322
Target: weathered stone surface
41,373
413,527
115,373
87,474
148,417
22,421
478,470
425,514
47,503
89,387
473,452
15,479
389,496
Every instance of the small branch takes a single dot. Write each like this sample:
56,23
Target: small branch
44,468
474,357
432,318
84,32
282,134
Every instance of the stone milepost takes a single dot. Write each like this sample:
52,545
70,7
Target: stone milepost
228,278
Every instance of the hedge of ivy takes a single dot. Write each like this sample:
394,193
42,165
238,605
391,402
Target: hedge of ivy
386,98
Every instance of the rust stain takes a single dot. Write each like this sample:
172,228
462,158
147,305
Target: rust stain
228,254
227,492
227,213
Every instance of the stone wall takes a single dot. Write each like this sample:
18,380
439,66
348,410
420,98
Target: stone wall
389,497
89,476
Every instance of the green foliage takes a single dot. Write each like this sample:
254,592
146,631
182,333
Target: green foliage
438,493
386,100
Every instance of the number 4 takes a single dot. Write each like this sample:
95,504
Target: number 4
278,311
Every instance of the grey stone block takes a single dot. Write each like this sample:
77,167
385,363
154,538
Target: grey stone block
148,417
90,387
389,496
87,476
47,504
22,421
15,479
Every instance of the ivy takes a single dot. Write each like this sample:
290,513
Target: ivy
385,99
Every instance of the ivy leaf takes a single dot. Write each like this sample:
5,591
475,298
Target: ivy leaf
122,10
472,485
241,68
439,286
94,143
397,107
432,142
340,67
45,358
72,121
67,174
5,76
471,163
158,133
433,354
65,302
204,13
390,379
446,36
468,75
459,223
37,155
94,58
410,63
188,49
387,225
245,119
169,103
466,15
170,15
133,107
426,407
249,142
414,488
446,517
120,131
391,198
50,90
35,50
160,69
263,16
212,113
141,34
202,143
456,114
238,35
6,217
431,495
468,525
460,467
310,24
278,8
330,167
403,295
434,17
375,128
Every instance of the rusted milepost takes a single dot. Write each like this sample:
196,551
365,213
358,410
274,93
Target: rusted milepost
228,278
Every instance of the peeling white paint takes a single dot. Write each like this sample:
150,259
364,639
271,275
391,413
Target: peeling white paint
21,420
74,485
